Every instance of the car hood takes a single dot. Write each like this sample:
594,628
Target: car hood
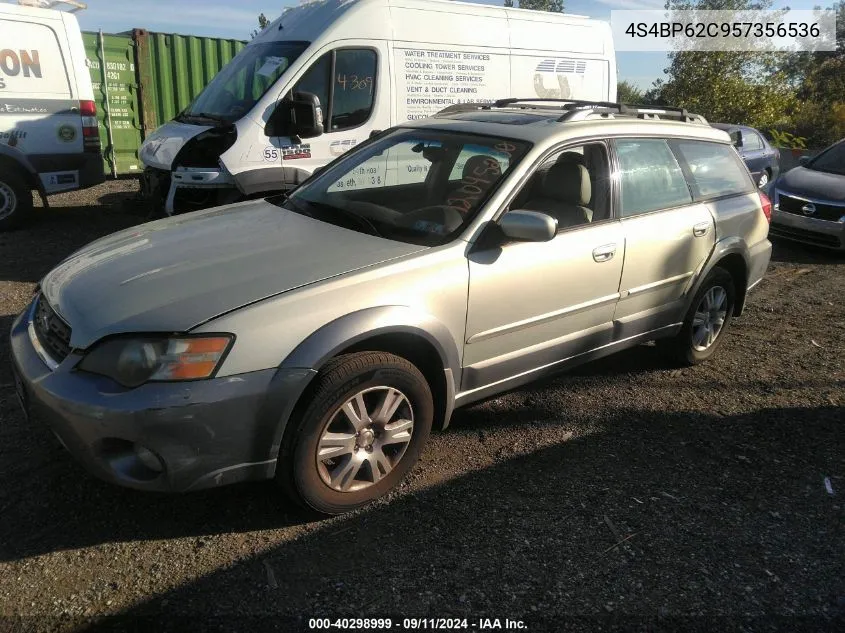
813,184
160,148
174,274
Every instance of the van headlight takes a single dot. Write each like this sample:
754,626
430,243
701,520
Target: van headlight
134,361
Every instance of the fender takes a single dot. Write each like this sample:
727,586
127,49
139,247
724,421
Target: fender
301,366
268,180
17,156
329,340
733,245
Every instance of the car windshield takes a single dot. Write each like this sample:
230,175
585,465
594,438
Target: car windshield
243,81
832,160
416,186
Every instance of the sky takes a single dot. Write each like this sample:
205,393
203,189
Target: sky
237,18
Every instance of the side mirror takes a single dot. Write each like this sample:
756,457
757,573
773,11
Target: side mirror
300,116
528,226
804,161
736,137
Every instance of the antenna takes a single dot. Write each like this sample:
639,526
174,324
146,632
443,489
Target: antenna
71,6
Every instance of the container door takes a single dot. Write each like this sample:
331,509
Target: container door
111,62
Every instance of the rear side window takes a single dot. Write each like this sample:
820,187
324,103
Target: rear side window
651,177
715,169
751,141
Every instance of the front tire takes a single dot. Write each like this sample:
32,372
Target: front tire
361,430
15,201
706,321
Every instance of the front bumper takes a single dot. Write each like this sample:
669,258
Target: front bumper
204,433
808,230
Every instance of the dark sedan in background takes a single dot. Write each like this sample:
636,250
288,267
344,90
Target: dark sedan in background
762,160
810,200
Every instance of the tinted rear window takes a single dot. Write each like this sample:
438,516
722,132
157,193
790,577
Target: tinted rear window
715,168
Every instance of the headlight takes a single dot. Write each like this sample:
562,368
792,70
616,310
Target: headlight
134,361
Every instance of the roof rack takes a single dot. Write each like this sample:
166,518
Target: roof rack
576,109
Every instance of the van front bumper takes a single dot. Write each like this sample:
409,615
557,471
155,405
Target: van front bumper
166,437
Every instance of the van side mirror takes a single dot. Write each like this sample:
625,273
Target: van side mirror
736,138
301,116
528,226
804,161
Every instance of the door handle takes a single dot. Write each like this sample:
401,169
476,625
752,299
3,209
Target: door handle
700,229
604,253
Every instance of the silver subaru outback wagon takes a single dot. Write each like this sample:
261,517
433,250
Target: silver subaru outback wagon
318,337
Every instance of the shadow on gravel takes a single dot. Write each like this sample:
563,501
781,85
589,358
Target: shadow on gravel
797,253
654,513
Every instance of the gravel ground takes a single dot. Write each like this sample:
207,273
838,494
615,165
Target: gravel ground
626,494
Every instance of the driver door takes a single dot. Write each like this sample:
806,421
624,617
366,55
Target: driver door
535,304
352,84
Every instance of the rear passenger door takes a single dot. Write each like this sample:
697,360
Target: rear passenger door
668,236
753,152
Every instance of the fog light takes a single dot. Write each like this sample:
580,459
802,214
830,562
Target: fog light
148,458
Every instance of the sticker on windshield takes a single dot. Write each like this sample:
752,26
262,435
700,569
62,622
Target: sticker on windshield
271,65
293,152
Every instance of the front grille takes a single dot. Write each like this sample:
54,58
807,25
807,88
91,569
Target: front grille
52,332
829,212
822,239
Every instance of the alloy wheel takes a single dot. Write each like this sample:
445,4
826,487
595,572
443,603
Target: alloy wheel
364,439
8,200
709,318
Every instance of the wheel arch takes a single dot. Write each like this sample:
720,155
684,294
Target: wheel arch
400,330
15,159
732,255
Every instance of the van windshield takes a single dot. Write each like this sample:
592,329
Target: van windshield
416,186
243,81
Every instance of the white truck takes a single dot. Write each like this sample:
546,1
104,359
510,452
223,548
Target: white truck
327,75
49,138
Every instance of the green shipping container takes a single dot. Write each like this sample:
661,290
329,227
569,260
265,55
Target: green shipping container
142,80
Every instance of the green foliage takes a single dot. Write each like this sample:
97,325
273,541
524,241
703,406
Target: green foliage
799,95
626,92
263,21
785,140
555,6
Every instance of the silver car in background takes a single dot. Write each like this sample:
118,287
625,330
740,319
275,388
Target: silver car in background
318,337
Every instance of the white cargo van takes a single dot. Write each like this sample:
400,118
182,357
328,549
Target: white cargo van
328,74
49,139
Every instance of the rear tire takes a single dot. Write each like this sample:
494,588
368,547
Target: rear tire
15,201
334,458
704,326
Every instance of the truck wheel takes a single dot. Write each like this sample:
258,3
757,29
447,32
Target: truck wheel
708,318
15,201
360,432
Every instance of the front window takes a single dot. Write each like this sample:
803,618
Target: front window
243,81
832,160
416,186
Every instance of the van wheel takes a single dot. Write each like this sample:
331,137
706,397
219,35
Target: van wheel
359,433
15,201
708,318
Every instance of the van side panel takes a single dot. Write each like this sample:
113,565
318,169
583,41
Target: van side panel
561,58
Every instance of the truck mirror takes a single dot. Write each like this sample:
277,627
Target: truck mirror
301,116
